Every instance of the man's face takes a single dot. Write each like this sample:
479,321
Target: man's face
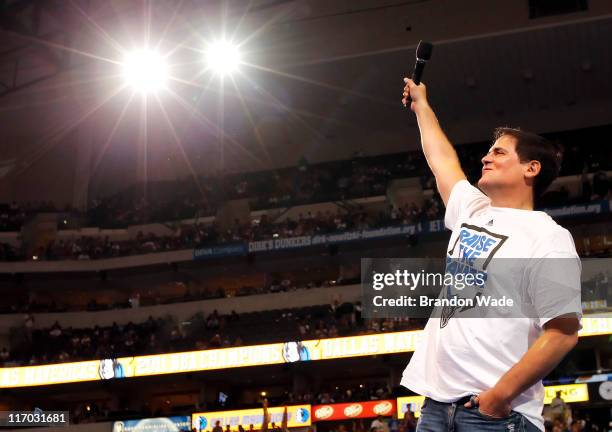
501,166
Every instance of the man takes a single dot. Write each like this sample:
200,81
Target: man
393,424
558,409
217,427
379,425
409,421
485,373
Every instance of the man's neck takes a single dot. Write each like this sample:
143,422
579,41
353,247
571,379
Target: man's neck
508,200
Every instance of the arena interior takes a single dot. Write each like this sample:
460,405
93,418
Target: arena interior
188,189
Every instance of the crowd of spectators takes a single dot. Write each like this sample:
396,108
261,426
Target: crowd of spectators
89,412
125,209
202,235
14,215
202,331
302,184
9,252
348,179
90,247
320,223
306,183
179,293
199,235
379,424
341,393
596,293
558,415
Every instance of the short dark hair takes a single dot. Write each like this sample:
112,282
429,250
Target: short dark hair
530,146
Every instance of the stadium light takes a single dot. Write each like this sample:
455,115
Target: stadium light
145,71
222,57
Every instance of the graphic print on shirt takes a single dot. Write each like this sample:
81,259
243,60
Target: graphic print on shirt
471,252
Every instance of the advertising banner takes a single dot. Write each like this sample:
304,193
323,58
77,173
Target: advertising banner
244,356
569,393
235,249
159,424
341,237
412,403
297,416
343,411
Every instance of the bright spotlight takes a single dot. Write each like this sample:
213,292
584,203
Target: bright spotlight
223,57
145,71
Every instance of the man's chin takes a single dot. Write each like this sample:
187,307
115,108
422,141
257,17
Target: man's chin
484,185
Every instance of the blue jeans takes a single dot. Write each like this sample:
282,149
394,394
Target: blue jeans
454,417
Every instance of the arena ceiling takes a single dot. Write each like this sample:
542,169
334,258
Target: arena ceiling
322,79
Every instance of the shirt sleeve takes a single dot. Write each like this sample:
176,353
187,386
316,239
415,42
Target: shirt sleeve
463,202
554,279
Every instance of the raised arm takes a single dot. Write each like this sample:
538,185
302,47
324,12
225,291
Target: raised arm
439,152
266,416
285,421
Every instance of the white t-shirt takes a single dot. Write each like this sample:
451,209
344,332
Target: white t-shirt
467,356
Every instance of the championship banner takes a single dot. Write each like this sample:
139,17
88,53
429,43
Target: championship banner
569,393
297,416
250,355
91,370
225,358
344,411
160,424
412,403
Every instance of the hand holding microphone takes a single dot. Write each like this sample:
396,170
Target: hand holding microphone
414,94
414,91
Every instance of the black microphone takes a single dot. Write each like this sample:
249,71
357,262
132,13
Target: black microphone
423,54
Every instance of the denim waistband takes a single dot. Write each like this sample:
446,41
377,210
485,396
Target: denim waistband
462,401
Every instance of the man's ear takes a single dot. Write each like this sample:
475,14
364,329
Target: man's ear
533,168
